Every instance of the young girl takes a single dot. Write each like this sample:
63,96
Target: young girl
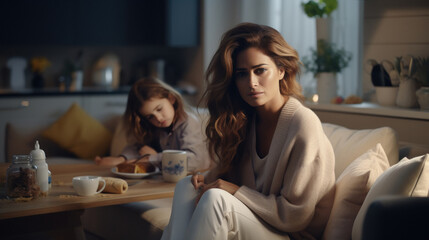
274,177
158,121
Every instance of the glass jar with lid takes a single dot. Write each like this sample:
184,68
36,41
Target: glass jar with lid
21,181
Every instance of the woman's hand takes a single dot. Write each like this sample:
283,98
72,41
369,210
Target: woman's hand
219,183
198,181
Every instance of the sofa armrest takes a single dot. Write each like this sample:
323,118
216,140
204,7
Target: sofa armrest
397,218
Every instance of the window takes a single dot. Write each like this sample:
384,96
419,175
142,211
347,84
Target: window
298,30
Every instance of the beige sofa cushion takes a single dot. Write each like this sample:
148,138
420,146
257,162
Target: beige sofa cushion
351,189
119,139
20,136
20,139
409,177
137,220
349,144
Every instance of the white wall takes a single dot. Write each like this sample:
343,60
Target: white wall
219,16
394,28
222,15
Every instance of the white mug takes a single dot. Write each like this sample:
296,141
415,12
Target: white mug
174,165
87,185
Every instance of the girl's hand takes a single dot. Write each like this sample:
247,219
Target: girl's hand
109,161
219,183
143,159
147,150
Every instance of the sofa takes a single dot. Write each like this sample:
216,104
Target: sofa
375,179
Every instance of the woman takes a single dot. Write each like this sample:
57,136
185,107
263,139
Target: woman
274,177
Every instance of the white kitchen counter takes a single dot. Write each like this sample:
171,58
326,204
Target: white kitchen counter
374,109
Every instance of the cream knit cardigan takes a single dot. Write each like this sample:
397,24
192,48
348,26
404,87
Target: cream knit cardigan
298,194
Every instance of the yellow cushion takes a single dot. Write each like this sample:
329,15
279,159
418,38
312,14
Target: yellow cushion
79,133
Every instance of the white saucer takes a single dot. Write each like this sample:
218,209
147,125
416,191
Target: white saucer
134,175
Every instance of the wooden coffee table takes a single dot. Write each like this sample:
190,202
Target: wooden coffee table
60,211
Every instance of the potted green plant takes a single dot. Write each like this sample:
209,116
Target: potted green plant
422,71
324,62
421,67
321,10
326,58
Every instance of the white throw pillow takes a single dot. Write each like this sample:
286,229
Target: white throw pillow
351,189
409,177
349,144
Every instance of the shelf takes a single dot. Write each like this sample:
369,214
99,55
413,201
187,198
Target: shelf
55,92
367,108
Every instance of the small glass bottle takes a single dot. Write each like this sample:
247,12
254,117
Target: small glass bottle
21,181
38,158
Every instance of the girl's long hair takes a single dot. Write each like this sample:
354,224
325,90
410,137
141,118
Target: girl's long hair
228,125
141,91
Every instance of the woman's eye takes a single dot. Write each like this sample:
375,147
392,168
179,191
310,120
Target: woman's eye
260,70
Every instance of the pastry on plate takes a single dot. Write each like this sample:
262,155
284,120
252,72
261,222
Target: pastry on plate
135,167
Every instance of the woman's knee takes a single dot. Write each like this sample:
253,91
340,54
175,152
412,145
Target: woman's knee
183,184
214,209
214,196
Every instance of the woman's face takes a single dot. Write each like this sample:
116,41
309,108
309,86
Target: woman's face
257,79
158,111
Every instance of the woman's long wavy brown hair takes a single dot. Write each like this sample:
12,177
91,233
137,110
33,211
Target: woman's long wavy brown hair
227,126
141,91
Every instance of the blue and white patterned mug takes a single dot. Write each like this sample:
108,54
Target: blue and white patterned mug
174,165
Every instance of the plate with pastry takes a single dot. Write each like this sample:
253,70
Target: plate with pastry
135,170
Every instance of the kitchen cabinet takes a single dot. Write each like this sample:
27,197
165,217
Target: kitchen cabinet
35,113
172,23
26,22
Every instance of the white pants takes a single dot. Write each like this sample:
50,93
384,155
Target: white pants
218,215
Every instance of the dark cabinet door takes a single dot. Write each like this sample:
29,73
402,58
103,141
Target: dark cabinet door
183,23
99,22
27,22
119,22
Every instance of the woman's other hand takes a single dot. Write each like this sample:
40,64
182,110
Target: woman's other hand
219,183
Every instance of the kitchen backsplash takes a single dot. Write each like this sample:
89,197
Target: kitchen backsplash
171,64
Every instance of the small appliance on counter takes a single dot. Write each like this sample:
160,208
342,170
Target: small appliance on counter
156,69
106,72
17,67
